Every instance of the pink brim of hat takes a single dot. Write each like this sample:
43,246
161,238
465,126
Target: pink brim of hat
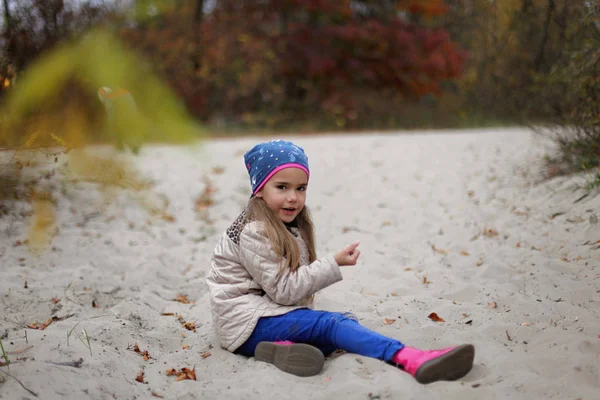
276,170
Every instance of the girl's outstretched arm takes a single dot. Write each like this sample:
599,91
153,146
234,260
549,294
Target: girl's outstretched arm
285,288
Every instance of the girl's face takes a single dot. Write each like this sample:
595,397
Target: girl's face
285,193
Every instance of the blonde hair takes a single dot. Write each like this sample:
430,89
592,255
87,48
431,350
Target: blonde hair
282,240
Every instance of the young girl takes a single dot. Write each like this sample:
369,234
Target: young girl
264,274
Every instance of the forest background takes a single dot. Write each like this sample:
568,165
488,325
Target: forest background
317,65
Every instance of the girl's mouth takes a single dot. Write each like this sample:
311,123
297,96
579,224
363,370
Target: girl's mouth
289,211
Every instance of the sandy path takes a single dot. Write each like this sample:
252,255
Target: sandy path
457,224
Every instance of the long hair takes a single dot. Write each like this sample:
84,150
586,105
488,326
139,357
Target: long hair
282,240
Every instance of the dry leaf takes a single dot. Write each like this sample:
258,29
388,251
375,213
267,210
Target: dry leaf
182,299
205,199
167,217
144,353
492,304
55,300
184,373
479,262
157,395
394,294
140,377
438,250
41,327
465,315
565,259
218,170
388,321
436,318
190,326
185,346
518,244
578,258
464,253
205,354
490,232
408,269
425,281
525,324
386,223
168,314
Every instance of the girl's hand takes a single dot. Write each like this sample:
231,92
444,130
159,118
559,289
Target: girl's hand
348,255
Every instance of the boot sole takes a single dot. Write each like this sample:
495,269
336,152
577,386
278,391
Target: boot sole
297,359
451,366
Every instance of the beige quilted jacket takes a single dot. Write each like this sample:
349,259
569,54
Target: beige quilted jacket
244,283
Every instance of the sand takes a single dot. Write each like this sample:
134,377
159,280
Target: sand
461,224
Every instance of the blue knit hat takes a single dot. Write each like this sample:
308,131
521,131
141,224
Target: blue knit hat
266,159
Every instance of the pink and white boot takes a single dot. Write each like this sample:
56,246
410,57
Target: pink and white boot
435,365
295,358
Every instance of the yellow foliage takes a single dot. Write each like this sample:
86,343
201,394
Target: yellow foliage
58,103
95,61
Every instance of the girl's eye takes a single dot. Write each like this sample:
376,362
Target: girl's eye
281,187
302,188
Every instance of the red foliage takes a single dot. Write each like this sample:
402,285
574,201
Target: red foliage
298,55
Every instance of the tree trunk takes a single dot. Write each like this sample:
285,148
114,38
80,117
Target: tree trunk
199,11
539,58
8,18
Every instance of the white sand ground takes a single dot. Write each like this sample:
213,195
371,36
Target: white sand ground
450,223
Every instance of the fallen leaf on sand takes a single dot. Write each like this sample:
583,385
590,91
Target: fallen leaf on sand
167,217
525,324
408,269
388,321
205,199
438,250
492,304
41,327
436,318
182,298
464,253
168,314
185,346
518,244
184,373
140,377
479,263
386,223
490,232
425,281
157,395
190,326
142,353
205,354
394,294
465,315
54,300
218,170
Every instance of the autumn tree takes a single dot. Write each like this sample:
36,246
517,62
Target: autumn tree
283,59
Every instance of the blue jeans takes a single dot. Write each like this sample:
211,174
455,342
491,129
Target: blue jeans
328,331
